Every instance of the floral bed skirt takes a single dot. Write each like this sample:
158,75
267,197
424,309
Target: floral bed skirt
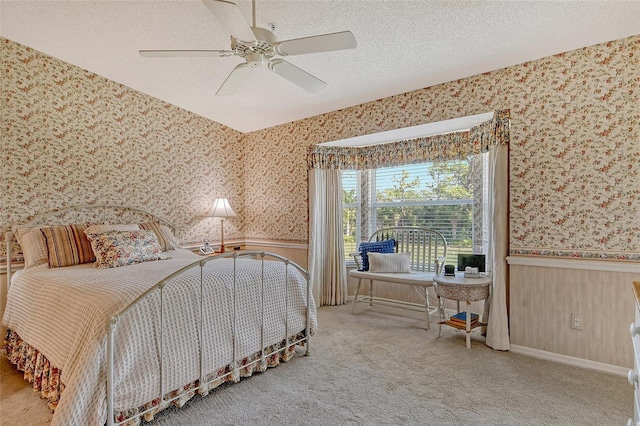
45,378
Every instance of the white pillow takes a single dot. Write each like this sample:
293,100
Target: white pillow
389,262
100,229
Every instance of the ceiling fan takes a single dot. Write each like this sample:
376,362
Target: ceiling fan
260,47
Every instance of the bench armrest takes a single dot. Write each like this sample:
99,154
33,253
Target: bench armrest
357,258
440,264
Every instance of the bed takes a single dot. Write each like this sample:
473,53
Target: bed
118,344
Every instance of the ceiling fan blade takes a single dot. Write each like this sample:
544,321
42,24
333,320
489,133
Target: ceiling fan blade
314,44
185,53
235,79
296,75
231,17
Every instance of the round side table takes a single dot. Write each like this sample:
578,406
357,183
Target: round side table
466,290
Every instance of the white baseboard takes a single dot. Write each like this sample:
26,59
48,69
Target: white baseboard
570,360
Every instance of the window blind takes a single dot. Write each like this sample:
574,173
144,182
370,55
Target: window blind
445,196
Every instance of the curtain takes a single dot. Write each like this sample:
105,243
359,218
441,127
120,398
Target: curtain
498,323
326,247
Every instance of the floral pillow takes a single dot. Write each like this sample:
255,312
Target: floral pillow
121,248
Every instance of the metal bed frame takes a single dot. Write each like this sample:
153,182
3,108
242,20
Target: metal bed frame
112,325
235,373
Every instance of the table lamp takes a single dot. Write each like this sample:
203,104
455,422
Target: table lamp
222,209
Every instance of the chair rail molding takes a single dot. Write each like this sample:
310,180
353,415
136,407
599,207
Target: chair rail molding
585,264
283,244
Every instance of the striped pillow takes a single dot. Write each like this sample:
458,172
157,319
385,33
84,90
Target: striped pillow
168,234
34,246
67,245
164,239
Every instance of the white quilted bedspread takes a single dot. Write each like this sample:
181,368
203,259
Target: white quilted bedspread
64,312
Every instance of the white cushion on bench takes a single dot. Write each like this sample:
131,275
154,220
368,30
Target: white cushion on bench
423,279
389,262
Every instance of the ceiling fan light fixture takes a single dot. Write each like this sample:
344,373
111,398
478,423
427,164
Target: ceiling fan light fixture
255,59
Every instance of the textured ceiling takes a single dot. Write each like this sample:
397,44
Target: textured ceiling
402,46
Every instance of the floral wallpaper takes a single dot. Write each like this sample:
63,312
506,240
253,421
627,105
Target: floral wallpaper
574,150
71,137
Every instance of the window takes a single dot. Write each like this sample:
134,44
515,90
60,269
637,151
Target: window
447,196
351,211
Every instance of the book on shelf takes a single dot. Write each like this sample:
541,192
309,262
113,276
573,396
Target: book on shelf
461,318
463,325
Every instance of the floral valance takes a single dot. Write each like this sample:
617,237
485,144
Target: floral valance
448,146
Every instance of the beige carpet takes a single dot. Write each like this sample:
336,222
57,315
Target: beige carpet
380,368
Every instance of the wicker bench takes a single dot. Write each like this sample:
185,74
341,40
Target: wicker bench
427,251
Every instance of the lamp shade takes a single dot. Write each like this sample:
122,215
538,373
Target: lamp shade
221,208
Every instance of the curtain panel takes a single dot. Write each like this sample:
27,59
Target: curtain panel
498,321
447,146
326,246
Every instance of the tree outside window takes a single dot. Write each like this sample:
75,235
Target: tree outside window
437,195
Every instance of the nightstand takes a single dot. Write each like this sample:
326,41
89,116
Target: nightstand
466,290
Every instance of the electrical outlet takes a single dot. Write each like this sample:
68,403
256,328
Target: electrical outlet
576,321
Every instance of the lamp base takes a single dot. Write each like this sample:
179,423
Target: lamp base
222,236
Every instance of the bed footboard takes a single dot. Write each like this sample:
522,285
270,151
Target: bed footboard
285,310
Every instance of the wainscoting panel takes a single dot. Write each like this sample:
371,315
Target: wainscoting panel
297,252
526,306
542,300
